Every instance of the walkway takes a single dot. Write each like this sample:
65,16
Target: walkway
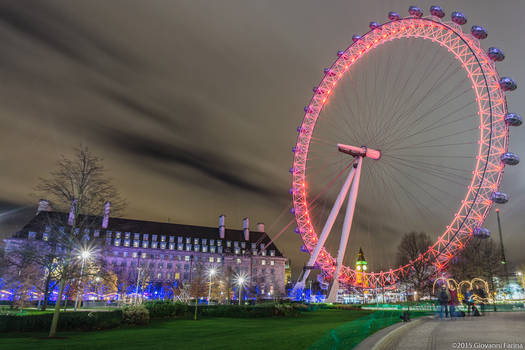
498,330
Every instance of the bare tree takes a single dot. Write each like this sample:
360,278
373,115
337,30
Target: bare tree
78,185
411,247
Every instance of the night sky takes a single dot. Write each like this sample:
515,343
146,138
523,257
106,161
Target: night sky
194,105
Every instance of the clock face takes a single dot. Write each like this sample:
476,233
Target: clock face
358,267
364,267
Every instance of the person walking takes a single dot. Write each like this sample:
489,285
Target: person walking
453,302
468,299
482,296
443,298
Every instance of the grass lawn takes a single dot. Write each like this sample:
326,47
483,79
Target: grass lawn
209,333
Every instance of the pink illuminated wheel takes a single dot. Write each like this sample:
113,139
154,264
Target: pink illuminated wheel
426,97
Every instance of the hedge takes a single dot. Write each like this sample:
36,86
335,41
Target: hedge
164,309
80,320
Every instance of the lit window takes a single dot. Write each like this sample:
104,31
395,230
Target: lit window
218,259
204,249
117,242
235,244
263,262
117,234
124,254
126,242
172,246
219,243
204,240
263,253
188,240
172,239
211,259
196,241
237,250
187,258
31,235
144,244
145,236
168,275
238,261
188,247
196,247
136,244
272,252
143,255
212,241
180,246
243,245
134,254
127,235
163,245
163,238
177,275
154,237
45,236
154,245
212,249
271,262
228,244
159,275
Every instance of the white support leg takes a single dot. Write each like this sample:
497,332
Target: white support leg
347,225
327,228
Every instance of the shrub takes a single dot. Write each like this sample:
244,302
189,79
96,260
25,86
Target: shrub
135,315
79,320
161,309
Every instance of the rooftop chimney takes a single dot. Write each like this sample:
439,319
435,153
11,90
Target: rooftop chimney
260,227
105,220
221,226
71,218
246,228
44,205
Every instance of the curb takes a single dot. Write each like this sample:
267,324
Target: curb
391,336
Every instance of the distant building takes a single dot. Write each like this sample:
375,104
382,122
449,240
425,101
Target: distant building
171,252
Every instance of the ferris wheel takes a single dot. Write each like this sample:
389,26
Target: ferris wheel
409,126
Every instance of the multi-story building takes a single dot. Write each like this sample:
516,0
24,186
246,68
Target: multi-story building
170,252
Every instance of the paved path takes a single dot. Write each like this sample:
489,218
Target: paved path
495,331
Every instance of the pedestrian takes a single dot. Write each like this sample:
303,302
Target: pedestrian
453,302
443,298
468,299
482,296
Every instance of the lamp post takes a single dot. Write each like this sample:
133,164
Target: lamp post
212,272
241,280
84,255
139,270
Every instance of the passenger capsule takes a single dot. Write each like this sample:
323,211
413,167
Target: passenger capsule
394,16
437,11
481,232
299,129
307,109
499,197
294,149
297,230
415,11
355,37
292,170
458,18
304,249
512,119
496,54
478,32
373,25
291,191
507,84
340,53
510,158
329,72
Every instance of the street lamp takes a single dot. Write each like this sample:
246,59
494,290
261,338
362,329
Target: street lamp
139,270
212,273
240,281
84,255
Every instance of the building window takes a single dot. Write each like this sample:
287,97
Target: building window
153,237
238,261
254,251
179,239
212,249
180,246
263,262
145,236
172,239
197,247
144,244
219,250
243,245
136,243
96,233
177,275
212,241
170,266
219,243
188,247
115,253
187,258
31,235
117,234
271,262
211,259
204,249
228,244
163,245
154,245
117,242
126,242
45,236
263,253
160,265
188,240
172,246
159,275
196,241
124,254
237,250
163,238
219,259
143,255
134,254
127,235
235,244
168,275
272,252
204,240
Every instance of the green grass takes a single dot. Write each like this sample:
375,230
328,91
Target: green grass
212,333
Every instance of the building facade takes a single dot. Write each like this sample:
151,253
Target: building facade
168,253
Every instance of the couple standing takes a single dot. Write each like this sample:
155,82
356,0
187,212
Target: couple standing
448,300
